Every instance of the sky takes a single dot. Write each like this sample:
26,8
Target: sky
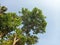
50,8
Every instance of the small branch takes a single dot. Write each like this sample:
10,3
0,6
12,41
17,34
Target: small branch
15,40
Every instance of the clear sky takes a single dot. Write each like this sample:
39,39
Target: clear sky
50,8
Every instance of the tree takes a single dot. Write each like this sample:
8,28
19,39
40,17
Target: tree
33,21
12,34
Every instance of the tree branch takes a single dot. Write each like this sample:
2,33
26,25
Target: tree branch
15,40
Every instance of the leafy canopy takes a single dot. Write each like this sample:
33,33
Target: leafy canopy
32,21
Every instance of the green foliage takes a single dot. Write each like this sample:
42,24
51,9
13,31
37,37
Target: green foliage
31,20
31,40
9,22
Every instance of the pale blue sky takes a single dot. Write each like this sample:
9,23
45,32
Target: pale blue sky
50,8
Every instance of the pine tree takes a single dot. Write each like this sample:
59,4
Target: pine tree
13,33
